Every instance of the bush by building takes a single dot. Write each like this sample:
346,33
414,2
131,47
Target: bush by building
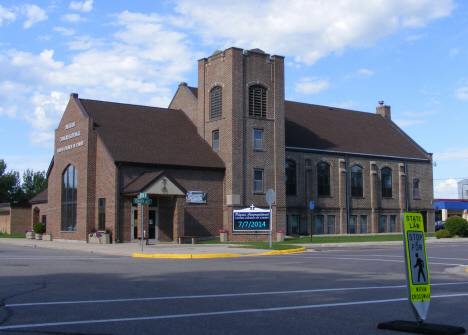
442,233
457,226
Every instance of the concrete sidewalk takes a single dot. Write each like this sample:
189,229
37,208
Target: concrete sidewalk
159,250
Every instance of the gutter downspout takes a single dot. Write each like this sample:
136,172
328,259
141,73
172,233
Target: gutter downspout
118,203
347,192
406,186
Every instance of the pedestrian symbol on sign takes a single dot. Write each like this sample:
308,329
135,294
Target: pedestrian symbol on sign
420,265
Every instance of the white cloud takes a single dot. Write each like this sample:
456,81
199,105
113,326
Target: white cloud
136,67
73,18
6,14
34,15
407,123
300,28
83,6
64,31
453,154
366,72
312,85
462,93
447,189
84,43
414,37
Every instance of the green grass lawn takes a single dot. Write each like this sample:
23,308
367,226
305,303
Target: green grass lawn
292,243
12,235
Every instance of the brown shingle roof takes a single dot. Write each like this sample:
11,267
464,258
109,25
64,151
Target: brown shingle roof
150,135
194,91
334,129
41,198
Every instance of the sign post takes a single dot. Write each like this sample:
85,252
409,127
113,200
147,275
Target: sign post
417,271
142,201
270,198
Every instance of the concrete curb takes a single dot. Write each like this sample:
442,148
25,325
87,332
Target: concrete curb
200,256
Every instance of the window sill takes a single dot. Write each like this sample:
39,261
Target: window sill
259,193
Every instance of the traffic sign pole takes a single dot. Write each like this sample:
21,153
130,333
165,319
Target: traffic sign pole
142,213
270,198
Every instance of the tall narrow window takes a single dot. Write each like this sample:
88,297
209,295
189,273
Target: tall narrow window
258,139
295,224
216,102
69,196
415,188
383,224
323,179
258,181
392,223
331,224
319,225
386,176
363,224
356,181
102,214
352,224
257,101
290,177
216,140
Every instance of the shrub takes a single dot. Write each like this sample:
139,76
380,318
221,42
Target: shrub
39,228
442,233
456,226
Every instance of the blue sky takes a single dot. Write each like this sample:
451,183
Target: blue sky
412,54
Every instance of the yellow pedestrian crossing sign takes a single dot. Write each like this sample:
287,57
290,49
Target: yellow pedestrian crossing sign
417,271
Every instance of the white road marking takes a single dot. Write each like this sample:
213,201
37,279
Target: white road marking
220,295
257,310
379,260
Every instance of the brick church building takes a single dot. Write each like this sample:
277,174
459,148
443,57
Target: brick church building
219,147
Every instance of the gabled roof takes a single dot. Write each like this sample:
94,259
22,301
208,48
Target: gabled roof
339,130
150,135
146,180
41,198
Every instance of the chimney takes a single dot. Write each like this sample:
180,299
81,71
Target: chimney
384,110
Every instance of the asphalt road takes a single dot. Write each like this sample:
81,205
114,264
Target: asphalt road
330,291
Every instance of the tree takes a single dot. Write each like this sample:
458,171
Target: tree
10,188
33,183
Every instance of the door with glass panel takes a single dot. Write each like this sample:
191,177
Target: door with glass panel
134,223
153,224
294,225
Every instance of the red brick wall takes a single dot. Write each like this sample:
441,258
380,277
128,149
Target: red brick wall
371,204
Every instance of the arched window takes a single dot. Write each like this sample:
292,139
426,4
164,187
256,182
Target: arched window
386,177
323,179
216,102
356,181
257,101
69,193
290,177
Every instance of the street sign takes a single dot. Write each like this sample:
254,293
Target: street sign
143,195
270,197
311,205
417,271
142,201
